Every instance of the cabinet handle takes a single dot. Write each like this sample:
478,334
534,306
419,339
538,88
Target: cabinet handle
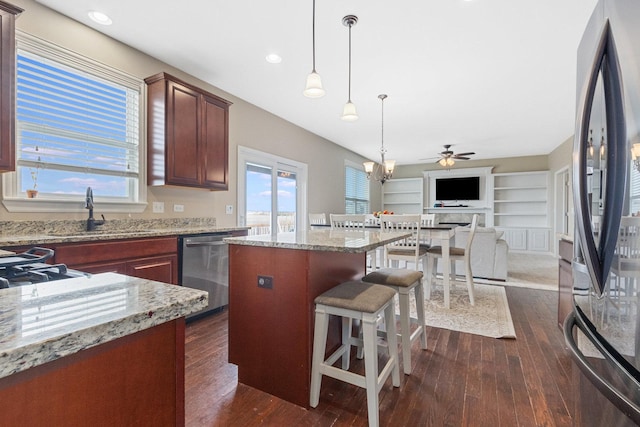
199,244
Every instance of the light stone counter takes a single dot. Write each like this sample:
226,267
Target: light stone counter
41,323
43,233
351,241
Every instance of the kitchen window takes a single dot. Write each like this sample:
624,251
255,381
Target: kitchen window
356,190
77,126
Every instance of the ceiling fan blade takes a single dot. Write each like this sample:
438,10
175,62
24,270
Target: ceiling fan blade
461,158
466,154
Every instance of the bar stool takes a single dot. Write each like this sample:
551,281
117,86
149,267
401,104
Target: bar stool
362,301
403,281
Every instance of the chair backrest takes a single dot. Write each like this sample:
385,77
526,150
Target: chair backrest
428,220
317,218
403,223
628,246
472,232
286,223
350,221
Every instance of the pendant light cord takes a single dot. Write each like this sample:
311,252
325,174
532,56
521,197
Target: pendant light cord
313,35
350,25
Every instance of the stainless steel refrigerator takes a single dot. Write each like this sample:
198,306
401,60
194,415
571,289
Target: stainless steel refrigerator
603,333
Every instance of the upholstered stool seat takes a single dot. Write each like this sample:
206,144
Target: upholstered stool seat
362,301
403,281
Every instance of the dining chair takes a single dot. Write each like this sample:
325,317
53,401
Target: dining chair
408,250
427,220
350,221
317,219
455,254
625,268
354,222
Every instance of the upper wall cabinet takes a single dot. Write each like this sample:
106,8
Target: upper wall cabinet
8,14
188,135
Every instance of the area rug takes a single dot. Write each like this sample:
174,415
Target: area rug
490,316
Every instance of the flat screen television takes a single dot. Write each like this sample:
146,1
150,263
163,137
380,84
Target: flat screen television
463,188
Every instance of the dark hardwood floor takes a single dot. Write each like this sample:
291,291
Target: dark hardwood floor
461,379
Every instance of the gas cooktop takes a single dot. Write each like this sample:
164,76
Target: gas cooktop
31,267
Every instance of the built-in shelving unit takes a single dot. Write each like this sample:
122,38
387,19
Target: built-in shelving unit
521,209
403,195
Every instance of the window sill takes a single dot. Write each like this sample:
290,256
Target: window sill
17,204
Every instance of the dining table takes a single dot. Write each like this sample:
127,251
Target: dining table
443,234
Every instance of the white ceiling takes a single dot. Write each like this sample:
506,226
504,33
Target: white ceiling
492,76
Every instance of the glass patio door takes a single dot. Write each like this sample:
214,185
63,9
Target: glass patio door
271,193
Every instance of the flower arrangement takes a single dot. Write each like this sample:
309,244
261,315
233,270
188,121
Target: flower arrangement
385,212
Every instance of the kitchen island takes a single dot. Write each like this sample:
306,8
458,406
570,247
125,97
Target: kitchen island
273,281
104,349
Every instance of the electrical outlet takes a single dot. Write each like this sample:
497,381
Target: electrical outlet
178,208
158,207
229,209
265,282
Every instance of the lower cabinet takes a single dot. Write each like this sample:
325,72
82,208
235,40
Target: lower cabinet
528,240
149,258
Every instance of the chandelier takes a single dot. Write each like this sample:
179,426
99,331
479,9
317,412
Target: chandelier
384,170
635,154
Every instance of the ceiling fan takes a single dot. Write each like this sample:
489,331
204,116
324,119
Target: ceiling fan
448,157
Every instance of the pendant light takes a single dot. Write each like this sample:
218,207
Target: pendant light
385,169
314,83
349,113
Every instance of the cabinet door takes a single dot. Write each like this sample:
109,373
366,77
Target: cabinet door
183,134
7,86
538,240
214,146
107,267
516,239
160,268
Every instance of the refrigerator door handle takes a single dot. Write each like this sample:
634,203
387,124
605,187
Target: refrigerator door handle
598,257
612,393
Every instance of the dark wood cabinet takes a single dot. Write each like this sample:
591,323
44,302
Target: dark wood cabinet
8,14
565,280
150,258
188,135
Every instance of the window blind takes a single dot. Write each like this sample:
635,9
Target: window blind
356,191
70,120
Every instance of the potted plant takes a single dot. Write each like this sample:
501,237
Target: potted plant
33,192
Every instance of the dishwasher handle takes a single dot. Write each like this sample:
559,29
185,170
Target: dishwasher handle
199,244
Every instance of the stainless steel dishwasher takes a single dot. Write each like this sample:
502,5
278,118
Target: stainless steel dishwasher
204,265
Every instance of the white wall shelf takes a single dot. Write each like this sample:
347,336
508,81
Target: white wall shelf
403,195
521,209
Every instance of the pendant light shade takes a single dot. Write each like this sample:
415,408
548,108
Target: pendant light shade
349,113
314,88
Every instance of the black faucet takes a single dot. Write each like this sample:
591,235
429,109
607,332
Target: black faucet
91,222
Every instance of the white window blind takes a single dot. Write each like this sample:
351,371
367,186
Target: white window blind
75,129
356,191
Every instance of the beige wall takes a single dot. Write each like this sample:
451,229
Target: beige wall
249,126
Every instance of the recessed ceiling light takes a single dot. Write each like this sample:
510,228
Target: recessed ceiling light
274,58
100,17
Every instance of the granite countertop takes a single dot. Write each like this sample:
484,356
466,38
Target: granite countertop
321,240
30,233
46,321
